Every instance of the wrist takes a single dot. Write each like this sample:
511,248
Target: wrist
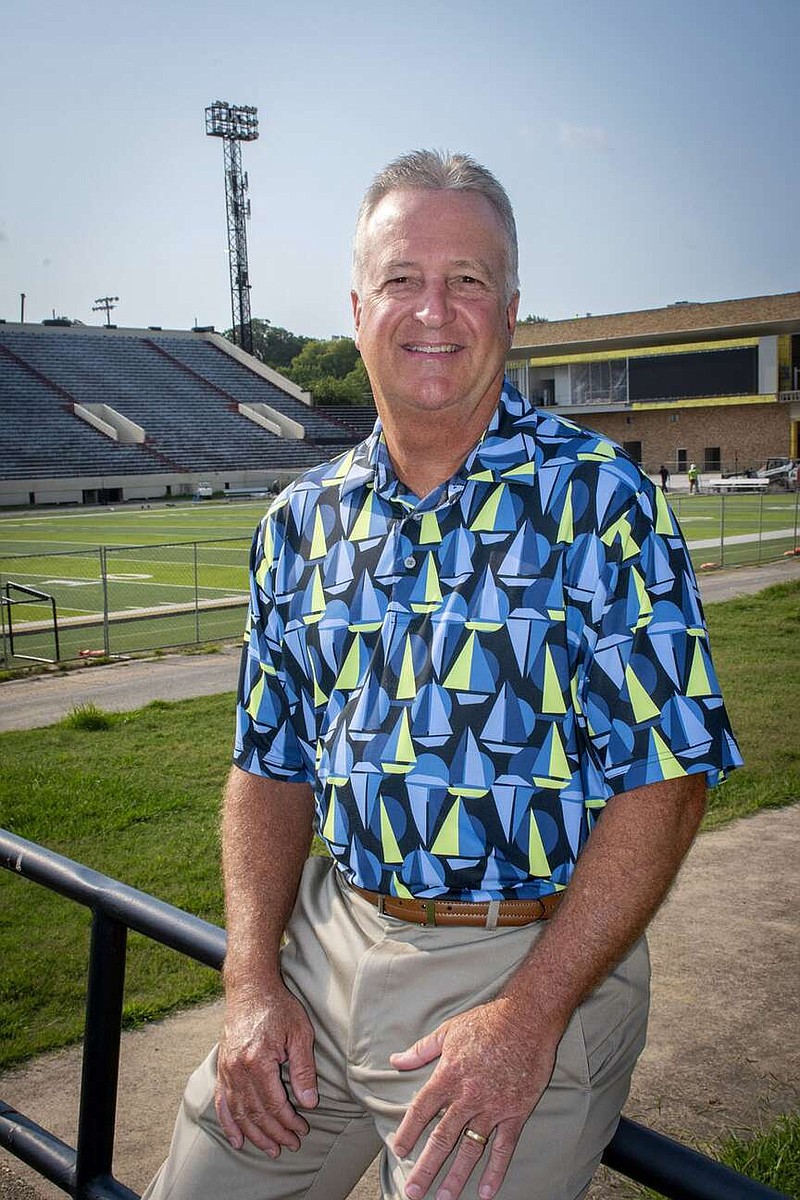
246,980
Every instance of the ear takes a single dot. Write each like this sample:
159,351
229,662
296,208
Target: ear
511,314
356,304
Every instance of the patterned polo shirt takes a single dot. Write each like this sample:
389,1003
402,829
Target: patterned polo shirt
465,680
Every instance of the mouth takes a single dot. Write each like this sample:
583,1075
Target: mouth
439,348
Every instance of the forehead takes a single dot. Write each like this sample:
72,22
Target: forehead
411,224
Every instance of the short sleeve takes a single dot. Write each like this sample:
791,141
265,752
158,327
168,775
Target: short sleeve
266,742
651,703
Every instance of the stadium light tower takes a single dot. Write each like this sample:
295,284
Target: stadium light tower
236,124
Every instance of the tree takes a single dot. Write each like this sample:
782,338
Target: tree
353,389
272,345
319,359
533,320
332,371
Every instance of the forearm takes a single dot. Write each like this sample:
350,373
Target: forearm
266,833
621,878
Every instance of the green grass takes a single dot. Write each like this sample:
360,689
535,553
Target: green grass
88,716
771,1158
755,642
138,800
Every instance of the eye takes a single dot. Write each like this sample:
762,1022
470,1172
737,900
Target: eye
468,284
398,283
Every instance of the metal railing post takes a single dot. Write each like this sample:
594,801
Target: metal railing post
100,1074
760,525
722,531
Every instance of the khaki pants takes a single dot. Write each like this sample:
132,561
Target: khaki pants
373,985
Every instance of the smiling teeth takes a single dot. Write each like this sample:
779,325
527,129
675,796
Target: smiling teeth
434,349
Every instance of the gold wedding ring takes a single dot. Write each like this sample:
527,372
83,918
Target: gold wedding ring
474,1136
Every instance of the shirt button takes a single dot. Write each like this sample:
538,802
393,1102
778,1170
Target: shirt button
410,561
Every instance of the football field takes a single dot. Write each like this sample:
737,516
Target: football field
165,575
138,577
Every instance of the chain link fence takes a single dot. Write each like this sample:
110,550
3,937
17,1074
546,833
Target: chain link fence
739,530
117,600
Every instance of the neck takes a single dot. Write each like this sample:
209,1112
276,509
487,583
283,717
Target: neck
426,449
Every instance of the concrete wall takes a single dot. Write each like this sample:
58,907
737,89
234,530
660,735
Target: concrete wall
15,493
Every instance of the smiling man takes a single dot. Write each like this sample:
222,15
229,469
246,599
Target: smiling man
476,665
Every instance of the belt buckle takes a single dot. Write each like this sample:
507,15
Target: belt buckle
430,911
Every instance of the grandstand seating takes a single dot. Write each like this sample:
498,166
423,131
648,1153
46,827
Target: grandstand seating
357,419
181,388
40,437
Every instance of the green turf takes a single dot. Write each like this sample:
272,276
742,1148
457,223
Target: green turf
189,560
770,524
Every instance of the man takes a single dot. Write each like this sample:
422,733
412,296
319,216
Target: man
476,663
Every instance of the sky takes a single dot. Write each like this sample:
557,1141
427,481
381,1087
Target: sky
650,149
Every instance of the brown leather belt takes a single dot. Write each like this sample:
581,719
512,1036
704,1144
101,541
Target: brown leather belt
461,912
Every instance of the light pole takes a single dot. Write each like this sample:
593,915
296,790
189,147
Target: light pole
236,124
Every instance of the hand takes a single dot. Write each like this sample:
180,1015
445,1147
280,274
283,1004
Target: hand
491,1072
251,1100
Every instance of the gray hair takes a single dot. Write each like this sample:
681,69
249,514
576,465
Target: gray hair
438,170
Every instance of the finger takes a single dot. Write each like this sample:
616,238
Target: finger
422,1052
229,1127
468,1154
260,1103
501,1148
302,1070
261,1127
426,1105
443,1139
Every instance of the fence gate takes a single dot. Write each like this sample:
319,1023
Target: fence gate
31,596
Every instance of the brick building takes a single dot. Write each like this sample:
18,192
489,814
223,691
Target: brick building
717,384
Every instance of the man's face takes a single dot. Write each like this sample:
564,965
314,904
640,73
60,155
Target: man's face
432,320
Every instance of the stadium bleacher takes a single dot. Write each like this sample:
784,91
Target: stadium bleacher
181,387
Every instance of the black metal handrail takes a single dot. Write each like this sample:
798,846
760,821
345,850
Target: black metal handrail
85,1171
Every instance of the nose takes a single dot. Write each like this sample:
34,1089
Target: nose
434,308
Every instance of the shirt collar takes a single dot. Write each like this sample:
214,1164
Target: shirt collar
499,449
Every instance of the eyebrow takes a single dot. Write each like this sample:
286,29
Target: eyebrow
462,264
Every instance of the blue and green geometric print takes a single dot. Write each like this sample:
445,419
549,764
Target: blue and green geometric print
466,680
